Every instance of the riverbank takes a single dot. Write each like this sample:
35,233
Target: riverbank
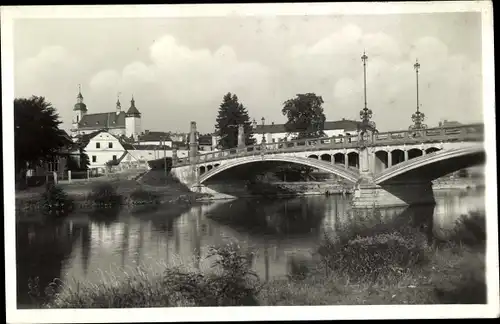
392,266
150,188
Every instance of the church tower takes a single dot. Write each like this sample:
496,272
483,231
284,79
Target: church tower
79,110
132,121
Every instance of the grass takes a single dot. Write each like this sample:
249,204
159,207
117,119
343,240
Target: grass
379,266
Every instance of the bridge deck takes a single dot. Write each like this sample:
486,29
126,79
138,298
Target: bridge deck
471,132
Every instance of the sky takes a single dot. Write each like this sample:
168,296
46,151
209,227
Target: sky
178,69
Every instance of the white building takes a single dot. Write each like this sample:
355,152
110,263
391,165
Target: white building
118,122
101,147
275,133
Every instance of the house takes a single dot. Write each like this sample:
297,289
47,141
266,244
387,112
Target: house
154,138
206,143
274,133
57,163
101,147
117,122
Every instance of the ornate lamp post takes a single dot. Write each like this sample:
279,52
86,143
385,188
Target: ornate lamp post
418,117
263,137
365,114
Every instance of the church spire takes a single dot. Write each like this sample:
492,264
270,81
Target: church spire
118,104
79,100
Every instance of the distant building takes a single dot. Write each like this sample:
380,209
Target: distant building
101,147
154,138
447,123
57,163
275,133
118,122
206,143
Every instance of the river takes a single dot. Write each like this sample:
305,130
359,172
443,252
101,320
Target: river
277,231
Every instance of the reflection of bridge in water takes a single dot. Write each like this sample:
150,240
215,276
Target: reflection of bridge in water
278,232
386,169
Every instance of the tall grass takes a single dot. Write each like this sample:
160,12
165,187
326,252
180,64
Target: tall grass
104,194
379,266
231,283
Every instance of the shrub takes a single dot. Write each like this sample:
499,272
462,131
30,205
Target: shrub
234,284
143,197
373,257
104,195
470,230
55,201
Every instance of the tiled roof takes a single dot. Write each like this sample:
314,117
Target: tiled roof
154,136
205,140
348,125
132,147
104,120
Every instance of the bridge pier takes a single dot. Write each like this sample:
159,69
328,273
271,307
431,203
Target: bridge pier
369,194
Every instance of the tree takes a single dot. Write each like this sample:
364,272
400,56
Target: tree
305,115
36,132
231,114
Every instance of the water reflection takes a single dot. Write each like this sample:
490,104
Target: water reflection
279,235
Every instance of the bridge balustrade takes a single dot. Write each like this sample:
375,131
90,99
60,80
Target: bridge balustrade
471,132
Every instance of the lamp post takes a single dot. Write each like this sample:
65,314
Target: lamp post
365,114
418,117
263,137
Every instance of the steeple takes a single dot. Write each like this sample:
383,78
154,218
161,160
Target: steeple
118,104
79,101
133,111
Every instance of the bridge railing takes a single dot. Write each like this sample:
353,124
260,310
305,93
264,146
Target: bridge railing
471,132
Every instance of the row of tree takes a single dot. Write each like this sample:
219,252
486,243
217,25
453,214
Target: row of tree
304,113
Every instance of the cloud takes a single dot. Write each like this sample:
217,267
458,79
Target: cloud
180,79
450,84
174,83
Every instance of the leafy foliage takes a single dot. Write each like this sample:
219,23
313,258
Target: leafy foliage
104,195
142,197
231,114
36,133
235,284
305,115
55,201
373,257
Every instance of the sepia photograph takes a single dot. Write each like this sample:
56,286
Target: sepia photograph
172,159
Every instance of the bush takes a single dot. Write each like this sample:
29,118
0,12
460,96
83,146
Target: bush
470,230
373,257
55,201
144,197
104,195
234,284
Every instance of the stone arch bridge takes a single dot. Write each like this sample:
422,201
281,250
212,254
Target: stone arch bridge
385,169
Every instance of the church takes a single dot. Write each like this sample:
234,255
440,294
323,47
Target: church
118,122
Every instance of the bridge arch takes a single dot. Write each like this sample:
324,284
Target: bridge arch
431,149
414,153
397,156
353,159
339,158
326,157
202,169
341,171
313,156
434,165
381,160
209,167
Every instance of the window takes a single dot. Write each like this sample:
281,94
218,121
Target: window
114,157
97,145
94,158
77,118
110,145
